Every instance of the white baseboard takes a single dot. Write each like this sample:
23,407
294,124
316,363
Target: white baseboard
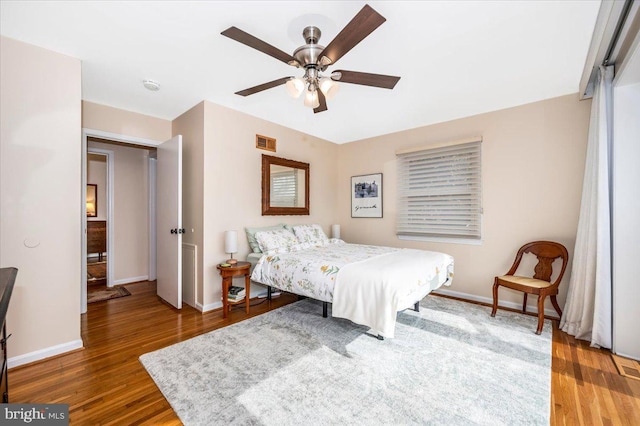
530,308
44,353
622,354
489,300
208,307
131,280
255,292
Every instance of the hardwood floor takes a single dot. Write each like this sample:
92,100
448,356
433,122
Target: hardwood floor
106,384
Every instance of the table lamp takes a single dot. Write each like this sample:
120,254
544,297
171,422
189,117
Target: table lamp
231,245
335,231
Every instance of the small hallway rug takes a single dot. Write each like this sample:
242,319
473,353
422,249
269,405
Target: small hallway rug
97,273
450,364
106,293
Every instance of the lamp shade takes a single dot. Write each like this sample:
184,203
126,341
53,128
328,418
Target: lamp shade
335,231
231,242
311,99
329,87
295,86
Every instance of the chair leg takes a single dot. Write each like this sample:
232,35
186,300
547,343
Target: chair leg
495,298
540,313
554,302
524,304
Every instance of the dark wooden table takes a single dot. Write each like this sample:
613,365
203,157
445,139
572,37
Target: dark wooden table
227,273
7,281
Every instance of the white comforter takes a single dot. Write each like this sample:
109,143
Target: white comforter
370,292
366,284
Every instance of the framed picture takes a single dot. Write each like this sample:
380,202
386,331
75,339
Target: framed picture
92,200
366,195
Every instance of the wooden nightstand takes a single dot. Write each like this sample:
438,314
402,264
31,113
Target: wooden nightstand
237,270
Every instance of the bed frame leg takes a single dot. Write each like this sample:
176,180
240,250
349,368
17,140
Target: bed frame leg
325,306
269,292
416,307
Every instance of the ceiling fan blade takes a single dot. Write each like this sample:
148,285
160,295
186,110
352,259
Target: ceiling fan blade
367,79
254,42
363,24
264,86
323,103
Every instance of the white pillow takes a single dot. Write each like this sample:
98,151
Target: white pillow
276,241
311,234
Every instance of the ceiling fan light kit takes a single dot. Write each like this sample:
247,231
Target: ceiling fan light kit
329,87
315,59
295,86
311,99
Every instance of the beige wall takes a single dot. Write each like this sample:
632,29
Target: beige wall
127,123
232,182
532,167
191,126
40,197
97,175
130,211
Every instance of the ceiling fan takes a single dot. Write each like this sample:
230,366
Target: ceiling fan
315,59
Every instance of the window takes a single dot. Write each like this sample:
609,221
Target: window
284,189
439,192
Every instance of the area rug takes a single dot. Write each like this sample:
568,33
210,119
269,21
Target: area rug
106,294
449,364
96,270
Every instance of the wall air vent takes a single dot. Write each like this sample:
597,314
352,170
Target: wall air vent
266,143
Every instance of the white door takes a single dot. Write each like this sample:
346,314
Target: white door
169,221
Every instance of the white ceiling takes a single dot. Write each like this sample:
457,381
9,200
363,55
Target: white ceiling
456,58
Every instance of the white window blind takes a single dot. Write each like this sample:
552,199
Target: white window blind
284,189
439,192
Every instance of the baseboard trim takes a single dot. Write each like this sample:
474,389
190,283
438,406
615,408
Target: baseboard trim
44,353
624,355
208,307
131,280
217,305
513,305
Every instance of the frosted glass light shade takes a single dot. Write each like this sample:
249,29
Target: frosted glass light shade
295,86
329,87
231,242
335,231
311,99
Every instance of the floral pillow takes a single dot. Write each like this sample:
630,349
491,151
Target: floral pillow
276,241
251,235
311,234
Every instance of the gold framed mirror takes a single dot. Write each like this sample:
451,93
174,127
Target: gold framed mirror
285,186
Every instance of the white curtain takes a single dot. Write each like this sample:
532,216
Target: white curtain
588,311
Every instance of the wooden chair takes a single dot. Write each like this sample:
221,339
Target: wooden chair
540,284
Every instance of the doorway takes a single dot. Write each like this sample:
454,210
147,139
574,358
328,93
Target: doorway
97,202
130,253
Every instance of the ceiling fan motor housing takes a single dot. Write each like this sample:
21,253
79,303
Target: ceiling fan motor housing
308,54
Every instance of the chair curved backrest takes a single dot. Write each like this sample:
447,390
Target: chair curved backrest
546,252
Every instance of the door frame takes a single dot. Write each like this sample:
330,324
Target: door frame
86,134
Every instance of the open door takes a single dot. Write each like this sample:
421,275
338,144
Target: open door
169,221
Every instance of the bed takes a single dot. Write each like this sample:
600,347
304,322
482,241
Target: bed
365,284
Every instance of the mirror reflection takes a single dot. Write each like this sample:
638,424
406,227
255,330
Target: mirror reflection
287,186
